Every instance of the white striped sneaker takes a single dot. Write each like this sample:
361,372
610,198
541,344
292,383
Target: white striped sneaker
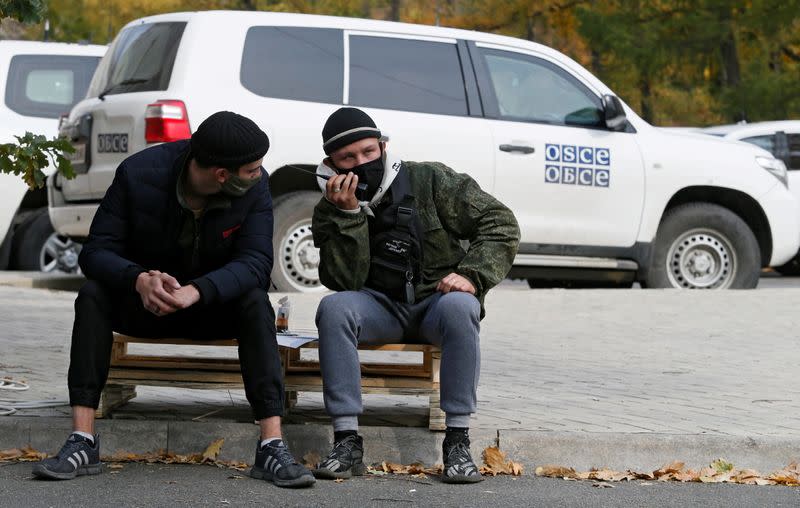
458,464
77,457
275,463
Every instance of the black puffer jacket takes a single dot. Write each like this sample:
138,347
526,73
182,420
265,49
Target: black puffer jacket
138,223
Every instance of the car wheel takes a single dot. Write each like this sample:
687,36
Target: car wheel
296,265
37,247
704,246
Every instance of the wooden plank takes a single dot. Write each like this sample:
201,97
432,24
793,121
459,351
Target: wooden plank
197,376
178,362
369,368
383,347
183,384
112,397
298,381
173,341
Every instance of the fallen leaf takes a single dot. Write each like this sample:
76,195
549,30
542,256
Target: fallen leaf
338,480
603,485
26,454
722,466
115,466
687,476
311,460
496,462
212,452
672,468
556,472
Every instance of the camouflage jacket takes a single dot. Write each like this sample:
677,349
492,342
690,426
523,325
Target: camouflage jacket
452,207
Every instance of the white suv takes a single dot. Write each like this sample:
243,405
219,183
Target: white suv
781,139
40,82
601,196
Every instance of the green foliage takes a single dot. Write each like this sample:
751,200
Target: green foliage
27,11
677,62
32,154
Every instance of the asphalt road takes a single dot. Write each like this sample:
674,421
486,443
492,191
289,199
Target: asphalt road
184,485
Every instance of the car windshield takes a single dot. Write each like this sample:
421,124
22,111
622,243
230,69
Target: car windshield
139,51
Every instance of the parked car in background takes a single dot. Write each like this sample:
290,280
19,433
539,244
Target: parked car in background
781,139
41,81
601,196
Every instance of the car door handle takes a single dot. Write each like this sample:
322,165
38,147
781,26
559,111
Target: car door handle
517,148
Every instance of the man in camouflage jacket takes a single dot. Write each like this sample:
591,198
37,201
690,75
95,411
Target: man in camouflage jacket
448,292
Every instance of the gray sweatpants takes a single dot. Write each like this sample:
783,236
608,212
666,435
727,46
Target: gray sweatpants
450,321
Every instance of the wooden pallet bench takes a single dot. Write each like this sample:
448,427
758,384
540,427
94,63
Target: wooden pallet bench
300,374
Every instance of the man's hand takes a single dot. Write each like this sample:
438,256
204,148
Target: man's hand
186,296
341,191
455,282
157,291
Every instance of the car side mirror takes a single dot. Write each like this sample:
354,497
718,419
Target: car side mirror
614,113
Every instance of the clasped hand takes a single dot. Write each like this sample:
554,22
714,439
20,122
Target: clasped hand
162,294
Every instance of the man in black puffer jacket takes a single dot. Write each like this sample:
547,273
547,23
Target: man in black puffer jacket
181,246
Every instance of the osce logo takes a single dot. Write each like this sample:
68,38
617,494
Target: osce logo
577,165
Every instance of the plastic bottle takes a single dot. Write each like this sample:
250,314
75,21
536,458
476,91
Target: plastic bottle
282,318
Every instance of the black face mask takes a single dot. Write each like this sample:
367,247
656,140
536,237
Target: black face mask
370,173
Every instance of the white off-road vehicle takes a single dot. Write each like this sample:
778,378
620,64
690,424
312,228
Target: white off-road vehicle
780,138
40,82
601,196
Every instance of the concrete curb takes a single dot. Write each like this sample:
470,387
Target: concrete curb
40,280
406,445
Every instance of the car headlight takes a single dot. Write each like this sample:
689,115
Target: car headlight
774,166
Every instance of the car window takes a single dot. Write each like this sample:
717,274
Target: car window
47,85
304,64
406,74
794,151
533,90
767,142
143,55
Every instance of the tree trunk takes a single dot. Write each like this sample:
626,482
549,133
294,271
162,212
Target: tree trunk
645,90
394,12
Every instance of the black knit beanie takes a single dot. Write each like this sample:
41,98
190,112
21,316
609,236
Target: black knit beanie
345,126
228,140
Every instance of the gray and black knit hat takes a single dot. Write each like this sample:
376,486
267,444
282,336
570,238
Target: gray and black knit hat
345,126
228,140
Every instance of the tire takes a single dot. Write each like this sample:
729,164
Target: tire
790,268
296,263
704,246
37,247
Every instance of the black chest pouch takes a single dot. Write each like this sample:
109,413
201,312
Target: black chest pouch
396,246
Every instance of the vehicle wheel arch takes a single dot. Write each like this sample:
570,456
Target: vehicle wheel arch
738,202
287,179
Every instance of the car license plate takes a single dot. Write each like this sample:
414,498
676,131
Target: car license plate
112,143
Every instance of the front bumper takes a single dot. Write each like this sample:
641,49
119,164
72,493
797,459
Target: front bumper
68,219
783,213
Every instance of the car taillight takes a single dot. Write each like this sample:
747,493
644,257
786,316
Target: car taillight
166,121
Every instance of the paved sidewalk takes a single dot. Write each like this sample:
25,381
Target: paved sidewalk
618,378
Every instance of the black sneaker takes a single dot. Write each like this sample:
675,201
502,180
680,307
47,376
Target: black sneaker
275,463
344,461
458,464
77,457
